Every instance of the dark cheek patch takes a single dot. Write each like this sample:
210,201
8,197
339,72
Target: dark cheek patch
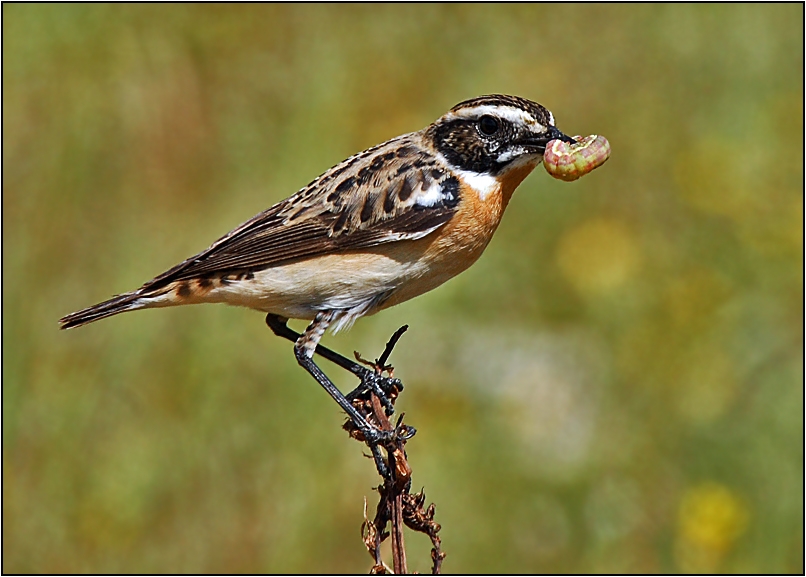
461,144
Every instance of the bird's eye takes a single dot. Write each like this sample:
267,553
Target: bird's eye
488,125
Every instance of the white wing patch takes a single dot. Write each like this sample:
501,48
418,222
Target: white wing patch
430,197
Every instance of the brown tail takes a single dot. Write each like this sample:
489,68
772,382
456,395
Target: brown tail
115,305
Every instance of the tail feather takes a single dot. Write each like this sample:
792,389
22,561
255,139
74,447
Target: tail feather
118,304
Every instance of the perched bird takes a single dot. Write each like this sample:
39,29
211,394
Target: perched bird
386,225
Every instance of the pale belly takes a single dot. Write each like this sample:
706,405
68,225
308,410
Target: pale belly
364,282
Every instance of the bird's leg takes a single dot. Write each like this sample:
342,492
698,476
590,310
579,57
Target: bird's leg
304,348
370,380
279,327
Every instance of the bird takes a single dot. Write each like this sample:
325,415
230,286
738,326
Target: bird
382,227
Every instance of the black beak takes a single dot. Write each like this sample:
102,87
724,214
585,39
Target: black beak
553,133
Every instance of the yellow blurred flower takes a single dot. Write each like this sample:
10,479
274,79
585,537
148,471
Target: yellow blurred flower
711,517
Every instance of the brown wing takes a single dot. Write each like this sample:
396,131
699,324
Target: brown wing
388,193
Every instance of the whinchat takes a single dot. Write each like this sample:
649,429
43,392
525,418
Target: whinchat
385,225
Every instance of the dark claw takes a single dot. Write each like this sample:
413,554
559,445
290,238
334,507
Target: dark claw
374,436
382,387
405,432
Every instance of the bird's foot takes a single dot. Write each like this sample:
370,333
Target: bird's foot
375,398
386,388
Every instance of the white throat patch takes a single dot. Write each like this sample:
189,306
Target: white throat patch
483,184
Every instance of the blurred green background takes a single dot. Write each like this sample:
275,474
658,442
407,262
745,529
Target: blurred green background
616,386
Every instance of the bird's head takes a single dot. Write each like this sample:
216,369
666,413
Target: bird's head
491,134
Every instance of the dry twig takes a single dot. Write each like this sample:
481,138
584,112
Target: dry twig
396,505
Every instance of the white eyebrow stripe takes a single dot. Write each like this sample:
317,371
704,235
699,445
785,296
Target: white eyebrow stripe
510,113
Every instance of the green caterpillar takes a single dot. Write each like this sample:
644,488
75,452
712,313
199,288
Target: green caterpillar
570,161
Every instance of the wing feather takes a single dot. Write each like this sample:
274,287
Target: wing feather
367,200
